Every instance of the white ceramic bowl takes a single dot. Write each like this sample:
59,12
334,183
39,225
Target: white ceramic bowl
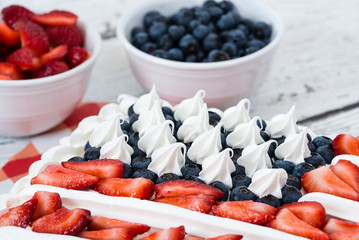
29,107
225,82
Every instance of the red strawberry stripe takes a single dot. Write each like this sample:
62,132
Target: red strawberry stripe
33,36
13,13
47,203
8,36
176,233
51,68
77,55
22,58
227,237
346,144
348,172
335,225
108,234
353,235
19,216
56,18
10,70
54,54
69,35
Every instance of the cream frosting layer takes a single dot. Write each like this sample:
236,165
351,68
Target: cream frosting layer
283,125
146,101
189,107
268,181
235,115
117,149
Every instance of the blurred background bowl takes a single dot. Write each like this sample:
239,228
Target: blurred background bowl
225,82
29,107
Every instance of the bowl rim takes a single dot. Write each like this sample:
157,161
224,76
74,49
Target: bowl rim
59,77
121,35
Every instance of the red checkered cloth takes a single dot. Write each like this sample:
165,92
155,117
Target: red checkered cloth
18,165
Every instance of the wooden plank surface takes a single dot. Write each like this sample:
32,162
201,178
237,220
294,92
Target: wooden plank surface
316,66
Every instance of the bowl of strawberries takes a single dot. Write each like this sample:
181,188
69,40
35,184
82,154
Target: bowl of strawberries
46,59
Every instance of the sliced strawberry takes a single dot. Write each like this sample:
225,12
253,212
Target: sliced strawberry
19,216
335,225
108,234
185,187
246,211
56,18
58,176
50,69
55,54
99,223
8,36
200,203
47,203
10,70
103,168
5,77
63,221
325,181
348,172
77,55
353,235
175,233
346,144
22,58
287,222
312,213
189,237
32,35
125,187
227,237
69,35
13,13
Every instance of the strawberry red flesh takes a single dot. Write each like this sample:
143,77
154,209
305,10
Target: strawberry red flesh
108,234
50,69
19,216
175,233
55,54
32,35
348,172
56,18
8,36
103,168
227,237
353,235
346,144
335,225
11,71
47,203
22,58
63,221
13,13
69,35
77,55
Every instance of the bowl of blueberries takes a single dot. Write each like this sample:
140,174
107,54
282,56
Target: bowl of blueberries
223,47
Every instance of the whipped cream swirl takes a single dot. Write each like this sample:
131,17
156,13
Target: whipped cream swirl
117,149
189,107
255,157
157,136
245,134
87,125
110,110
294,148
283,125
60,153
218,167
77,140
268,181
125,101
146,101
206,144
235,115
168,159
194,126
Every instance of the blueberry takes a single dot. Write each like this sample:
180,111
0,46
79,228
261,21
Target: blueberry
309,137
271,149
294,181
167,111
184,16
240,170
133,139
264,135
176,31
290,194
193,24
235,17
127,171
194,178
223,141
76,159
132,115
237,37
215,12
270,200
126,126
190,170
167,177
191,58
322,141
226,22
254,45
145,173
175,54
156,30
203,15
262,124
217,55
200,55
210,3
312,147
279,140
221,186
262,30
244,28
160,53
92,153
150,17
87,145
241,180
200,32
248,23
136,30
140,39
326,152
213,117
237,152
229,48
137,153
315,159
286,165
212,27
165,42
302,168
226,5
242,194
140,162
188,44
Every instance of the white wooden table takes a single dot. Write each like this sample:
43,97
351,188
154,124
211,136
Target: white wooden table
316,66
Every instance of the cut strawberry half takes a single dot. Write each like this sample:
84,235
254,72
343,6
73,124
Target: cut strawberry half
287,222
227,237
47,203
32,35
8,36
185,187
55,54
346,144
19,216
200,203
22,58
348,172
189,237
5,77
246,211
353,235
324,180
63,221
108,234
9,70
99,223
77,55
312,213
50,69
335,225
14,13
58,176
103,168
69,35
175,233
125,187
56,18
